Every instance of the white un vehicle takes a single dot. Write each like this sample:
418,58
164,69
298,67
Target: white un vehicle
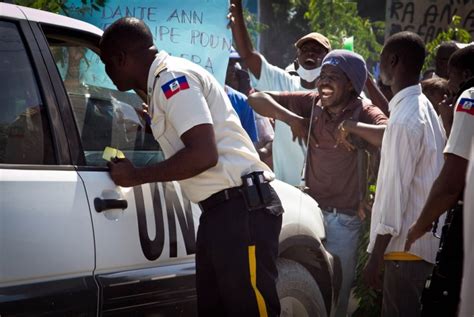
72,243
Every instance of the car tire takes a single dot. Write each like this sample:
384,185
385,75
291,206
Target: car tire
298,291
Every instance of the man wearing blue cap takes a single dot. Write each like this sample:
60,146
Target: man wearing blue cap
332,171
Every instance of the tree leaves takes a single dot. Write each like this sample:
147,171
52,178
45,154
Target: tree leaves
338,19
57,6
454,32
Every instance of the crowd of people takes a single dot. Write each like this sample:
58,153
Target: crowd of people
332,131
345,123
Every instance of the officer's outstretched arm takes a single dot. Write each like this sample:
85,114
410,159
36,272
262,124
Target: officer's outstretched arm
242,39
198,155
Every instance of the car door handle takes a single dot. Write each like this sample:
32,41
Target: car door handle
106,204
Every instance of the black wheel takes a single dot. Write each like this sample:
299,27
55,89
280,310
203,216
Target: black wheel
298,291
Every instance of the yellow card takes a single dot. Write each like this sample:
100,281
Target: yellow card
110,153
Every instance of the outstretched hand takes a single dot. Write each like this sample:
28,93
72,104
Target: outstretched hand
122,172
235,5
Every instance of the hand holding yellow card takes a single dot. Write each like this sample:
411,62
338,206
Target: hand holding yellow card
110,153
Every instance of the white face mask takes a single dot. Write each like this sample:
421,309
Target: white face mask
309,74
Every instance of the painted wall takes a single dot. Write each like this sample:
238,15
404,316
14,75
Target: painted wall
427,17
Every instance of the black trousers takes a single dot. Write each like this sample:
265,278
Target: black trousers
403,284
236,251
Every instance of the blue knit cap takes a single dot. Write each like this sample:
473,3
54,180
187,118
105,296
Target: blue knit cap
352,64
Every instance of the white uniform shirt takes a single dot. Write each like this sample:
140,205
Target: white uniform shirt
459,142
466,307
288,156
411,159
184,96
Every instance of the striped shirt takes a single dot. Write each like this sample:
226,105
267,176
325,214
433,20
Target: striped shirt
411,159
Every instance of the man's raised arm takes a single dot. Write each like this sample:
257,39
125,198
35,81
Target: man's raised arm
242,39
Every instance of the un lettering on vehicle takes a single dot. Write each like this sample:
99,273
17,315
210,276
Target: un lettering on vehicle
179,215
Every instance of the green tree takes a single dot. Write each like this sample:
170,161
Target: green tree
254,27
338,19
286,24
454,32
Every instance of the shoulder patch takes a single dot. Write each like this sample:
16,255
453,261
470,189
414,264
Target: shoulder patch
466,105
174,86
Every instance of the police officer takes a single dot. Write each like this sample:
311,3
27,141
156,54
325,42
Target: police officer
441,297
213,159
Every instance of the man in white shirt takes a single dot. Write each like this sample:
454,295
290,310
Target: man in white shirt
210,154
288,155
411,158
447,191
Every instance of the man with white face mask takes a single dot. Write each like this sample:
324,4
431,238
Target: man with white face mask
288,155
311,50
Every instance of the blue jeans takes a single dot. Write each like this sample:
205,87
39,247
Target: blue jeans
342,236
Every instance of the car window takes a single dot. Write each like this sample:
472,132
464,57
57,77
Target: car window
104,116
25,136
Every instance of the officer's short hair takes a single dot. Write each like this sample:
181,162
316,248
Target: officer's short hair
126,34
410,49
463,59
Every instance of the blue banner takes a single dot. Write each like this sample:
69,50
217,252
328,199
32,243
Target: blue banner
195,30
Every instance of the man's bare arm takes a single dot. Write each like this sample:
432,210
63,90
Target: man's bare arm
444,193
266,104
372,133
374,266
198,155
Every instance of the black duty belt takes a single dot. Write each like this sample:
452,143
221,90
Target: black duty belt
334,210
220,197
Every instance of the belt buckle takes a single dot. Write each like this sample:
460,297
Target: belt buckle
226,194
334,211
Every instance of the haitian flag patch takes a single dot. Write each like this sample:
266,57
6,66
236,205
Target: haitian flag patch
466,105
174,86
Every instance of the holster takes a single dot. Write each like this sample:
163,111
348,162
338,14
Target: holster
259,194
